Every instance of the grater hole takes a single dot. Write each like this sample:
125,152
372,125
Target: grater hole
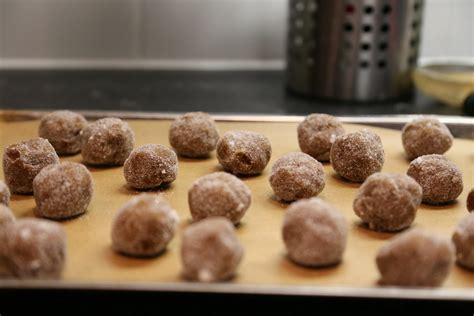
313,6
298,41
367,28
412,60
414,24
386,9
365,46
413,42
382,64
350,8
383,46
368,9
299,23
347,45
385,28
348,27
416,6
364,64
299,6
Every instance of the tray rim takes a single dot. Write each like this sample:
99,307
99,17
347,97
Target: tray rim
463,124
442,294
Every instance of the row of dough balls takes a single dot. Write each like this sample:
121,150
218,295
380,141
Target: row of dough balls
314,233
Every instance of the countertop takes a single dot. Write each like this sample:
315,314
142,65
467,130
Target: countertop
242,92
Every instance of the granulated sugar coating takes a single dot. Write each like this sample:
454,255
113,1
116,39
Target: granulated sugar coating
356,156
297,176
62,191
317,133
415,258
144,226
150,166
463,239
210,250
107,141
6,216
388,201
470,201
314,233
244,152
193,134
424,136
24,160
440,179
35,248
219,194
63,130
4,193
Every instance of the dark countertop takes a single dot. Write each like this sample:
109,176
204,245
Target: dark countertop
243,92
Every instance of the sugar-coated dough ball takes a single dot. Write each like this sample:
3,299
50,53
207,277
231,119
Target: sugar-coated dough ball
4,193
219,194
6,220
297,176
415,258
439,178
244,152
63,190
317,133
24,160
210,250
424,136
150,166
108,141
63,130
463,239
388,201
356,156
144,226
34,249
193,134
314,233
470,201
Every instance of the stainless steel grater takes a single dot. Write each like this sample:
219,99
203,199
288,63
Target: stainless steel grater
359,50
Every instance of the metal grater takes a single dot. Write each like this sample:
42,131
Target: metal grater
359,50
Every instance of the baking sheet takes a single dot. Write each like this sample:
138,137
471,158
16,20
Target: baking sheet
90,258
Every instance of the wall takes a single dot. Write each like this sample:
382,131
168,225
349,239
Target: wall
182,33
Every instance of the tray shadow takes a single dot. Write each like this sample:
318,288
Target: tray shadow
126,189
344,182
126,261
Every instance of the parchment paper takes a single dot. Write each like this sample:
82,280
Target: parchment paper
90,257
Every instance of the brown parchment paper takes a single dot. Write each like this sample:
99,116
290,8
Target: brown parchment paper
91,259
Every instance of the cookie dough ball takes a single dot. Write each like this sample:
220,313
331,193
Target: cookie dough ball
194,134
144,226
63,130
108,141
463,239
424,136
24,160
388,201
296,176
210,250
317,133
150,166
244,152
439,178
470,201
219,194
36,249
4,194
415,258
62,191
356,156
314,233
